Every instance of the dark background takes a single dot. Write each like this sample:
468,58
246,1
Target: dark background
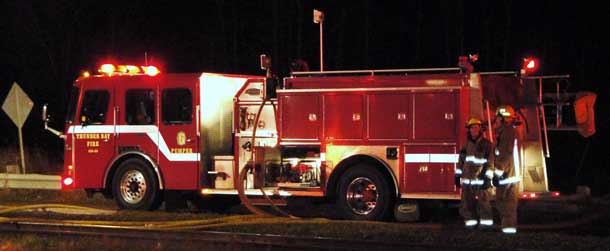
44,46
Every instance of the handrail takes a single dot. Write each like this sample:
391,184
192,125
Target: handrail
548,77
498,73
372,72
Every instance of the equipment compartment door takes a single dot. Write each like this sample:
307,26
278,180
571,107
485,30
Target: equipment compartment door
435,116
429,169
178,133
343,117
388,116
300,117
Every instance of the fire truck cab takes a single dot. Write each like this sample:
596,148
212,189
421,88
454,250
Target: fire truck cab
365,139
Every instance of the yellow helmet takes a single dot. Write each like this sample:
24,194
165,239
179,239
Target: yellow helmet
474,121
505,111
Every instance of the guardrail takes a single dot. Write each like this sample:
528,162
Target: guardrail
30,181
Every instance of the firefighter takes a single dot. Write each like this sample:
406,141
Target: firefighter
505,179
474,173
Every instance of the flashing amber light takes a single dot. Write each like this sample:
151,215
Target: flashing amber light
68,181
151,70
110,69
86,74
107,69
129,69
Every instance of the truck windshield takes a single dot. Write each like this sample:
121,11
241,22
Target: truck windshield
72,105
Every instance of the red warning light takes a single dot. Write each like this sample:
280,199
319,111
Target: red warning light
151,70
107,69
530,65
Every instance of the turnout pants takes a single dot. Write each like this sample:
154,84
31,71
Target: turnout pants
506,203
475,209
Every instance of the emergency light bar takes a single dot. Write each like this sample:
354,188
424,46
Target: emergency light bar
110,69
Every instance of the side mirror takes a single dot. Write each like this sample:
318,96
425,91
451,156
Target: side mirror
45,118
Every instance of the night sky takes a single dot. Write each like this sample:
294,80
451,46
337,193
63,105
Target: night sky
44,45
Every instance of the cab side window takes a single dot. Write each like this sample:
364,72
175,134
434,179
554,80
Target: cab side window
177,106
140,107
94,108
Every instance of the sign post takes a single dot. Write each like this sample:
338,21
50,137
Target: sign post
17,106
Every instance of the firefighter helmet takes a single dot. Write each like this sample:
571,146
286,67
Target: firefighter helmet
505,111
473,121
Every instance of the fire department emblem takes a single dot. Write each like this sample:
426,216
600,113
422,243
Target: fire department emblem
181,138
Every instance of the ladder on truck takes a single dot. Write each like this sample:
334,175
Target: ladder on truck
557,106
556,109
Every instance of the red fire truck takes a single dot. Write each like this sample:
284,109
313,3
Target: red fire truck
366,139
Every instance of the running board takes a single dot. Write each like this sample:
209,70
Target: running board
268,191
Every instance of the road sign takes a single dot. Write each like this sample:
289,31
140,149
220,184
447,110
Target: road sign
17,105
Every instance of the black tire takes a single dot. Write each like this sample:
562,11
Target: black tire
364,194
135,186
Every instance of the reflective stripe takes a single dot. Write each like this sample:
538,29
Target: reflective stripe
417,158
510,180
475,160
458,171
487,222
470,223
516,162
509,230
444,158
431,158
489,174
151,131
498,172
465,181
474,182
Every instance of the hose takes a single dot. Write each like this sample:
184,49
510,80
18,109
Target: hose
242,175
238,220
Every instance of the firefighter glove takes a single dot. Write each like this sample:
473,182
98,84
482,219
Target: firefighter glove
496,181
458,175
485,178
486,183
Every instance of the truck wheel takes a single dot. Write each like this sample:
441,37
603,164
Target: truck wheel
134,186
364,194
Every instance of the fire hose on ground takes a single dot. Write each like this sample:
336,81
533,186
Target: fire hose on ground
601,209
250,165
184,225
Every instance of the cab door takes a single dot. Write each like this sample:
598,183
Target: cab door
93,134
179,135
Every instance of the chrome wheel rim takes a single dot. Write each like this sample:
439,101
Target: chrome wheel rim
362,196
133,186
